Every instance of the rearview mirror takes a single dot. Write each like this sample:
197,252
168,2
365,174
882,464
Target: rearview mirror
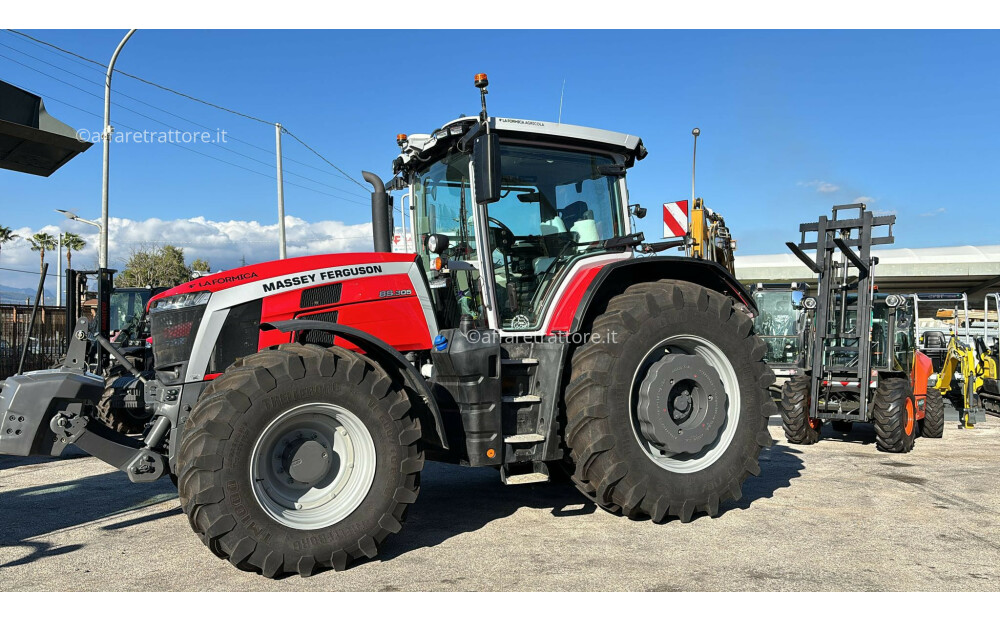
486,158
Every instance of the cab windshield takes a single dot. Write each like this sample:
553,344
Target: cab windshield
556,206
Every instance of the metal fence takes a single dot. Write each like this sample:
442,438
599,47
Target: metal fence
48,338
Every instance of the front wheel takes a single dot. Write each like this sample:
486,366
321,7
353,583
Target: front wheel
668,402
798,426
894,415
298,460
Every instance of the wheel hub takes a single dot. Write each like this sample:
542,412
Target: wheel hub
307,461
313,465
682,404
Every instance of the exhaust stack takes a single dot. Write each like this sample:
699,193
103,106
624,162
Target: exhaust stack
380,213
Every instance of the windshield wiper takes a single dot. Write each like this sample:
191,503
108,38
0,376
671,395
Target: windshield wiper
624,241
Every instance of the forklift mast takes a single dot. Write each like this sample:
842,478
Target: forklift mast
852,231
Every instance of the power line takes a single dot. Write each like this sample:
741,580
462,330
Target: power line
155,120
143,80
347,176
181,146
193,98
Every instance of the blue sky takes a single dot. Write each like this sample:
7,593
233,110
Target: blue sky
792,122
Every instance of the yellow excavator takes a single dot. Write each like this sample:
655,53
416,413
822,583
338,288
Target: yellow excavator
710,238
966,372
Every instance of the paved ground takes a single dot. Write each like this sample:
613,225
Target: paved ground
836,515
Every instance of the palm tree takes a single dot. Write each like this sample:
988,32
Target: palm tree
41,242
72,241
6,236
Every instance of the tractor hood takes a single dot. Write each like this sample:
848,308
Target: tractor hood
291,267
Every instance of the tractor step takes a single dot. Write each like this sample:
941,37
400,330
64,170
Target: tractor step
527,398
531,478
526,438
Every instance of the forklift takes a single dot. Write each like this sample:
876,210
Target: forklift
863,363
121,353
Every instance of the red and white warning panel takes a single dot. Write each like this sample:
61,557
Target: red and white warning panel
675,218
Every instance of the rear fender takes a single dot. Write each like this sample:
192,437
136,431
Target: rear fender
615,277
386,356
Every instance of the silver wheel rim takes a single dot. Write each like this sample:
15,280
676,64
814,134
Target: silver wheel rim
313,466
708,351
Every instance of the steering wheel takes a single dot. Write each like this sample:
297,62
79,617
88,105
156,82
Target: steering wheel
503,228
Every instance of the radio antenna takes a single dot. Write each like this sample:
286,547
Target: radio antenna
561,93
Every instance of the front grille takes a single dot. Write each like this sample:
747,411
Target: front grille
239,336
320,296
173,334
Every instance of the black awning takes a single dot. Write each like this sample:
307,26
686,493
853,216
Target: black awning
30,139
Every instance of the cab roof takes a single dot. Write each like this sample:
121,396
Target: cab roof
418,147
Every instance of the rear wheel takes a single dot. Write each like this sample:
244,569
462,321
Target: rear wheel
799,427
300,459
894,415
667,404
933,423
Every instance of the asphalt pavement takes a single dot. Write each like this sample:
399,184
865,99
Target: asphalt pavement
837,515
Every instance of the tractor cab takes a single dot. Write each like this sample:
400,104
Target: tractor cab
561,201
782,322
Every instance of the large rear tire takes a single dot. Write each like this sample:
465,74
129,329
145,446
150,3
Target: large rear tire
894,415
933,423
298,460
798,426
655,339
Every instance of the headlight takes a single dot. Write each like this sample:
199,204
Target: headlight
809,303
894,300
437,243
184,300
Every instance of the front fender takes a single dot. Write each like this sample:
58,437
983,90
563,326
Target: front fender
381,352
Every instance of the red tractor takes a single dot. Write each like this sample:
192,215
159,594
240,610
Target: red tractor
295,401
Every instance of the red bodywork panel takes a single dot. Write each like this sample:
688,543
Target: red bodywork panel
397,320
922,370
384,304
265,271
566,307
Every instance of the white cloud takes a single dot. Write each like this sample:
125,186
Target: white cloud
823,187
937,211
223,244
865,199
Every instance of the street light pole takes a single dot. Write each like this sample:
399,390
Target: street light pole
102,257
281,194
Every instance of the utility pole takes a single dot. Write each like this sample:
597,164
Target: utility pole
281,194
102,255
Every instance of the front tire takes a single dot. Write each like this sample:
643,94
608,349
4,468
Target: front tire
298,460
933,425
894,415
798,426
654,339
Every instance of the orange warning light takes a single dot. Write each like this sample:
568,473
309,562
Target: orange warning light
491,453
481,80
